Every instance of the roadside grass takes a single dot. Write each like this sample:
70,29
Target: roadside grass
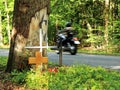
76,77
3,62
4,46
97,52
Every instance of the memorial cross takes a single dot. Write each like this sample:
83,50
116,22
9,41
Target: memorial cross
38,59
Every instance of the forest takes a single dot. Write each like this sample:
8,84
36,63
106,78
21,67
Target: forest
96,21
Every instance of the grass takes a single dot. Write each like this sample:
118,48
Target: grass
4,46
97,52
85,77
80,77
3,62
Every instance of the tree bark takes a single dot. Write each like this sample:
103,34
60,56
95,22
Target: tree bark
29,17
106,12
90,33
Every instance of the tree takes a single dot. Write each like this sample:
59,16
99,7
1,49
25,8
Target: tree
6,7
8,20
1,34
106,11
1,37
29,17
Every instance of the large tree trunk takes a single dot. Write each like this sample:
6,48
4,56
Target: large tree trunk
29,17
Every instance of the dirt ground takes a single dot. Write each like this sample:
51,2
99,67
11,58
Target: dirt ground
6,84
9,86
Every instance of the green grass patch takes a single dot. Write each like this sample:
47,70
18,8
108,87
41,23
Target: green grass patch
77,77
3,62
98,52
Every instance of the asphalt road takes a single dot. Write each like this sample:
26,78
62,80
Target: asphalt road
4,52
112,62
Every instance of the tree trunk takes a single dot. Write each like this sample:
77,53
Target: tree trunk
1,37
116,5
106,12
8,20
29,17
90,33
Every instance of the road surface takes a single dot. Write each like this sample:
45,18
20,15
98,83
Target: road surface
112,62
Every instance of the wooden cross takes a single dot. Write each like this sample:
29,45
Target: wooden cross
38,60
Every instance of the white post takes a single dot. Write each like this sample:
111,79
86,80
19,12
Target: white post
47,43
41,40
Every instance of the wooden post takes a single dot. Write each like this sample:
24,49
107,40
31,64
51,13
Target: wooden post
60,53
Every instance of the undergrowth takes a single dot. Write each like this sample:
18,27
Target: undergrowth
76,77
81,77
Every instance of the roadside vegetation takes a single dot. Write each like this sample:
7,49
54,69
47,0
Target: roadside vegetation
80,77
97,52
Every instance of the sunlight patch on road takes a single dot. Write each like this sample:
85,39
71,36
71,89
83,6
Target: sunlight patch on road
115,67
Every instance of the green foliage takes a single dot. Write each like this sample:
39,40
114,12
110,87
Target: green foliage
18,77
115,37
31,79
81,77
82,12
68,78
84,78
37,80
3,61
77,11
4,11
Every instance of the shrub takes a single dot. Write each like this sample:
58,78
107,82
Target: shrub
84,78
37,80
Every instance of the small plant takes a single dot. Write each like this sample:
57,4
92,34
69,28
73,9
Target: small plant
18,77
37,80
3,60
